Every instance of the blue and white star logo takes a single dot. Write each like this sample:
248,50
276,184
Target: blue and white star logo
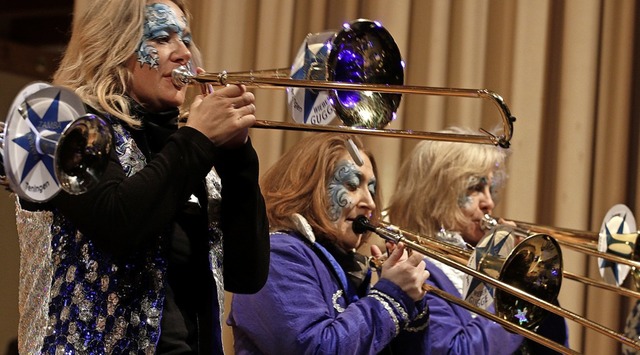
38,117
617,237
492,248
46,124
607,264
309,67
311,105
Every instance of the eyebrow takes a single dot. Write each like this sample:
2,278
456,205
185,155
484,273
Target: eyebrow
360,176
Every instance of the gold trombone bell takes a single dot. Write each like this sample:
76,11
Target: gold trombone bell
363,72
442,252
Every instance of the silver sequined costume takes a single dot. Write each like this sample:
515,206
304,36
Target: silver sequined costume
73,298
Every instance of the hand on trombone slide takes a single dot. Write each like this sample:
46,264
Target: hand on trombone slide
223,115
407,270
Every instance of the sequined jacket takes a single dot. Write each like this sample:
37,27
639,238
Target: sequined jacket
308,307
106,295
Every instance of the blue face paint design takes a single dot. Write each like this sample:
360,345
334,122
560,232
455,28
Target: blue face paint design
476,184
160,23
372,187
345,178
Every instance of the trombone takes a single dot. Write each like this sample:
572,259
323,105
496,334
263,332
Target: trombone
462,255
440,253
72,144
364,73
618,248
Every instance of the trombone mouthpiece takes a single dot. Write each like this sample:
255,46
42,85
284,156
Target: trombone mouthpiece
488,222
181,76
361,224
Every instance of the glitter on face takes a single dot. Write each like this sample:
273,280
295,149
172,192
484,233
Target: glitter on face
477,184
346,175
160,22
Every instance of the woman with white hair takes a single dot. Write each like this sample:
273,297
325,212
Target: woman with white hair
444,190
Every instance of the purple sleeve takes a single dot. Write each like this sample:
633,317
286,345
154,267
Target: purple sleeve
301,310
453,330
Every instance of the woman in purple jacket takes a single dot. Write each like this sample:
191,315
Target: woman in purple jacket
444,189
318,297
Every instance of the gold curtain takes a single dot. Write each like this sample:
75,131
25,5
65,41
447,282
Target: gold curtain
565,68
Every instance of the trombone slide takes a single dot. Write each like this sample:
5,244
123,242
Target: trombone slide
362,224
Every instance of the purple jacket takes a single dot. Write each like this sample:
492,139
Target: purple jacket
307,307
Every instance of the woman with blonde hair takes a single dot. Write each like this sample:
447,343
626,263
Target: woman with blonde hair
440,179
135,265
318,298
444,189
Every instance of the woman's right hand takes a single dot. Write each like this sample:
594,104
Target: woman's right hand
224,116
408,272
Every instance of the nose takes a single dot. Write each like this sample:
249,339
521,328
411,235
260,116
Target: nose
366,201
181,54
486,202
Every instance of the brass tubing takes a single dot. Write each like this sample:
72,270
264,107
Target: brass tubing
273,79
465,138
504,323
397,238
587,281
582,241
462,255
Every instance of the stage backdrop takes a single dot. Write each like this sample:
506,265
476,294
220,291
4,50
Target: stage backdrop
566,70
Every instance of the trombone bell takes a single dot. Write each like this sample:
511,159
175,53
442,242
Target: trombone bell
50,143
534,266
362,52
618,236
356,74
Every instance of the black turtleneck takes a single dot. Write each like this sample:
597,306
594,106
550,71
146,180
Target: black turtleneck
186,317
156,129
123,214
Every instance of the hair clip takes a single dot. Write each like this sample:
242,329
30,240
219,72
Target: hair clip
354,152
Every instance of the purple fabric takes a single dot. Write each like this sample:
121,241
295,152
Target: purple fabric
302,309
454,331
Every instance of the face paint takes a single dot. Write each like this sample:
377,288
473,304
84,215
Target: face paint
160,22
372,187
345,178
476,184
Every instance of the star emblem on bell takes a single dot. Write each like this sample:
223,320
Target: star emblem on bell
44,129
493,248
312,69
521,316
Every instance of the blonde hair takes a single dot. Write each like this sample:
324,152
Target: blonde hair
298,182
94,64
435,176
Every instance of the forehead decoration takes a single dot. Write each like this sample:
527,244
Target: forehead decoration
475,183
354,152
160,21
345,173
